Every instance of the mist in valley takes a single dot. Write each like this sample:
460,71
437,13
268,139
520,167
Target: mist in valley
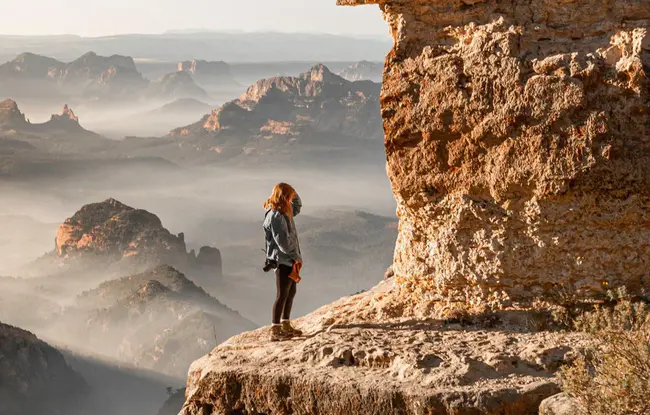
347,229
132,238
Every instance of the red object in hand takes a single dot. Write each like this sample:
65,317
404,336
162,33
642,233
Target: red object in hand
295,272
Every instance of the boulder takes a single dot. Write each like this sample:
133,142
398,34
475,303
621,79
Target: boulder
560,404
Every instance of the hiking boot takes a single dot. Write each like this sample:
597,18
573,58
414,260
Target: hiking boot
277,334
288,329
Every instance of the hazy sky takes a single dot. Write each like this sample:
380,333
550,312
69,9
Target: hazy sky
100,17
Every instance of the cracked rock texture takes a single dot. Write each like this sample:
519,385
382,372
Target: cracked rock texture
356,360
518,144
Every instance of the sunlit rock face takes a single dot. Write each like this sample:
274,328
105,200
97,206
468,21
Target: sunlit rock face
518,145
10,115
317,101
114,232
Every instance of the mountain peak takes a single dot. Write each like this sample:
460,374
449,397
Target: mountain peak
66,116
8,105
10,115
321,73
286,106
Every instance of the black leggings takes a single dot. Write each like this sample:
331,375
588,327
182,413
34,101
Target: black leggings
286,290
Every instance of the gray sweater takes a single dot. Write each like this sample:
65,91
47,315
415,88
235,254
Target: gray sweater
281,236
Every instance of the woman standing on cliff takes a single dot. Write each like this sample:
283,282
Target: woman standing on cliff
283,254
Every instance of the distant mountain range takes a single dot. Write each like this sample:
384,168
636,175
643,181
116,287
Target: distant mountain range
114,78
61,134
229,47
144,318
317,115
312,106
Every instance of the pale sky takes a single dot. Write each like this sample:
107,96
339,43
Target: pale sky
102,17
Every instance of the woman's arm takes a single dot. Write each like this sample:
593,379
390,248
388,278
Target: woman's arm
296,203
280,233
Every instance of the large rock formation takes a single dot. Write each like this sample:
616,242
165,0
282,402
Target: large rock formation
112,77
518,148
29,65
10,116
114,229
34,377
317,101
354,360
113,232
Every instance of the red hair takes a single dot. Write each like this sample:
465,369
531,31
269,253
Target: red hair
281,198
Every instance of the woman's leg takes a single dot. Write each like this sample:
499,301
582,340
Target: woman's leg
283,287
286,312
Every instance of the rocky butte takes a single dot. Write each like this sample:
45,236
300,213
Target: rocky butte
14,121
518,148
117,234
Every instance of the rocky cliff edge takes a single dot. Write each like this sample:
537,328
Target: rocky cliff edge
518,148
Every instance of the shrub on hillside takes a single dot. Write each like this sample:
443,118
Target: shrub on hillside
612,377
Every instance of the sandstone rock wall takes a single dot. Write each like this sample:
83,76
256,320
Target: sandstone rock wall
518,147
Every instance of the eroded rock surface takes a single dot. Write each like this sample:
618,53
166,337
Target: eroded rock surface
357,359
14,122
10,116
518,144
